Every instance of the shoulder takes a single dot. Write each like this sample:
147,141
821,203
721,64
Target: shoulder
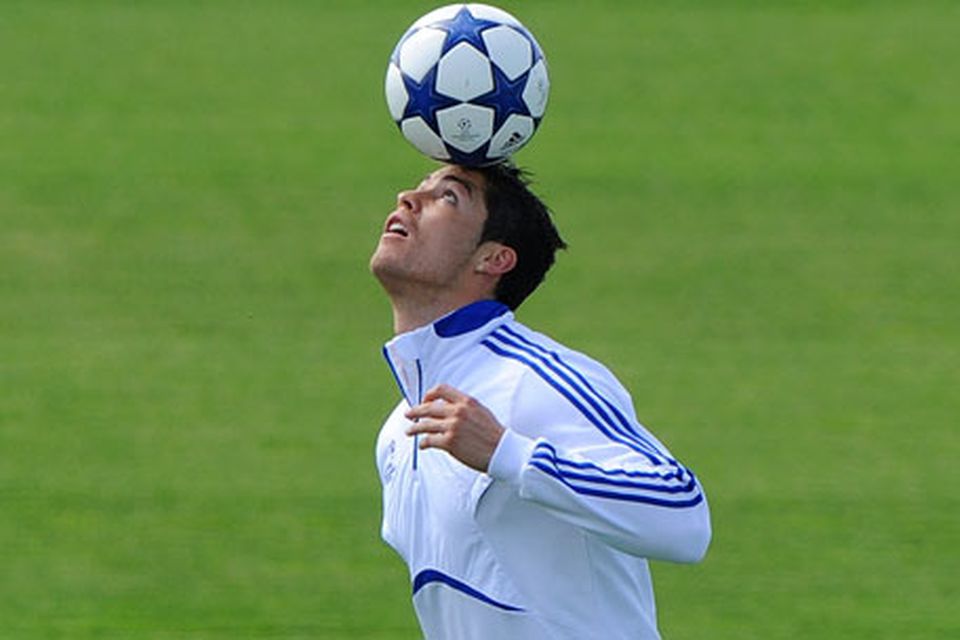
551,363
556,382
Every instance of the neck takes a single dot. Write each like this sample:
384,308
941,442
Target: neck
417,303
409,317
410,314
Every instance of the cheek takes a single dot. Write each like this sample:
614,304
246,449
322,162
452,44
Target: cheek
449,254
457,238
463,245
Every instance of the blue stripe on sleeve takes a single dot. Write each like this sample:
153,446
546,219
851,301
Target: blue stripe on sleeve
569,396
668,478
664,472
626,425
572,392
616,495
609,477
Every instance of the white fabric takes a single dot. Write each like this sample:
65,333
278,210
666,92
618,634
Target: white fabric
553,541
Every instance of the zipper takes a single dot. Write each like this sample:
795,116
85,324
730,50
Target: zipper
416,438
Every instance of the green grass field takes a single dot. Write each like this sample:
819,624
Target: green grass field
763,207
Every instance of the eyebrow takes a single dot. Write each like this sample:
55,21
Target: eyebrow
469,186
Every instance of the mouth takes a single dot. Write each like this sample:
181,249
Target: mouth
396,227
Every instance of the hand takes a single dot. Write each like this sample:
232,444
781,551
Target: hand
453,421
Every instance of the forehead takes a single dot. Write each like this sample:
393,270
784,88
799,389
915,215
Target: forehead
472,181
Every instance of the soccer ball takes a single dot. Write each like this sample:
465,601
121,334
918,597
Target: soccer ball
467,84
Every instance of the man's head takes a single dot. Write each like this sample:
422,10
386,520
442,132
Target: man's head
463,235
517,218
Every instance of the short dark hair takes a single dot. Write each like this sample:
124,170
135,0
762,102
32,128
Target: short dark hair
517,218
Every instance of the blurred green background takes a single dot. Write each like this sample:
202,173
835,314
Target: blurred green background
763,207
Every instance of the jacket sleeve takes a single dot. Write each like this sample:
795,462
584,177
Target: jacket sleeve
600,470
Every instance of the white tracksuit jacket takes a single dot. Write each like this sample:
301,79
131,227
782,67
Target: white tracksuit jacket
553,541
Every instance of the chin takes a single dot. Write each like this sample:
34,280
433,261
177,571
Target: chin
385,271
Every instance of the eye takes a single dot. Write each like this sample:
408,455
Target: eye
450,196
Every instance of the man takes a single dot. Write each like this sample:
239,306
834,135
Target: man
517,483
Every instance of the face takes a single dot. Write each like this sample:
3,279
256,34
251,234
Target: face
430,239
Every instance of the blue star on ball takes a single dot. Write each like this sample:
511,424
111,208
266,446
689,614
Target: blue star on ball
424,100
464,27
506,98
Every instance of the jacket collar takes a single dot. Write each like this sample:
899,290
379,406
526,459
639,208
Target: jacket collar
468,318
415,357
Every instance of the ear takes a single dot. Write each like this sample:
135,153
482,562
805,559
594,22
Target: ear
495,259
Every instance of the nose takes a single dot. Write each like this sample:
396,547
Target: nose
409,200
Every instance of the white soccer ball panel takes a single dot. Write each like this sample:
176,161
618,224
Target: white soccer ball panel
464,73
466,126
424,139
509,50
396,93
537,91
437,15
514,133
486,12
420,52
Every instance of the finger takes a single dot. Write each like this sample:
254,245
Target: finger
430,442
426,426
445,392
432,408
